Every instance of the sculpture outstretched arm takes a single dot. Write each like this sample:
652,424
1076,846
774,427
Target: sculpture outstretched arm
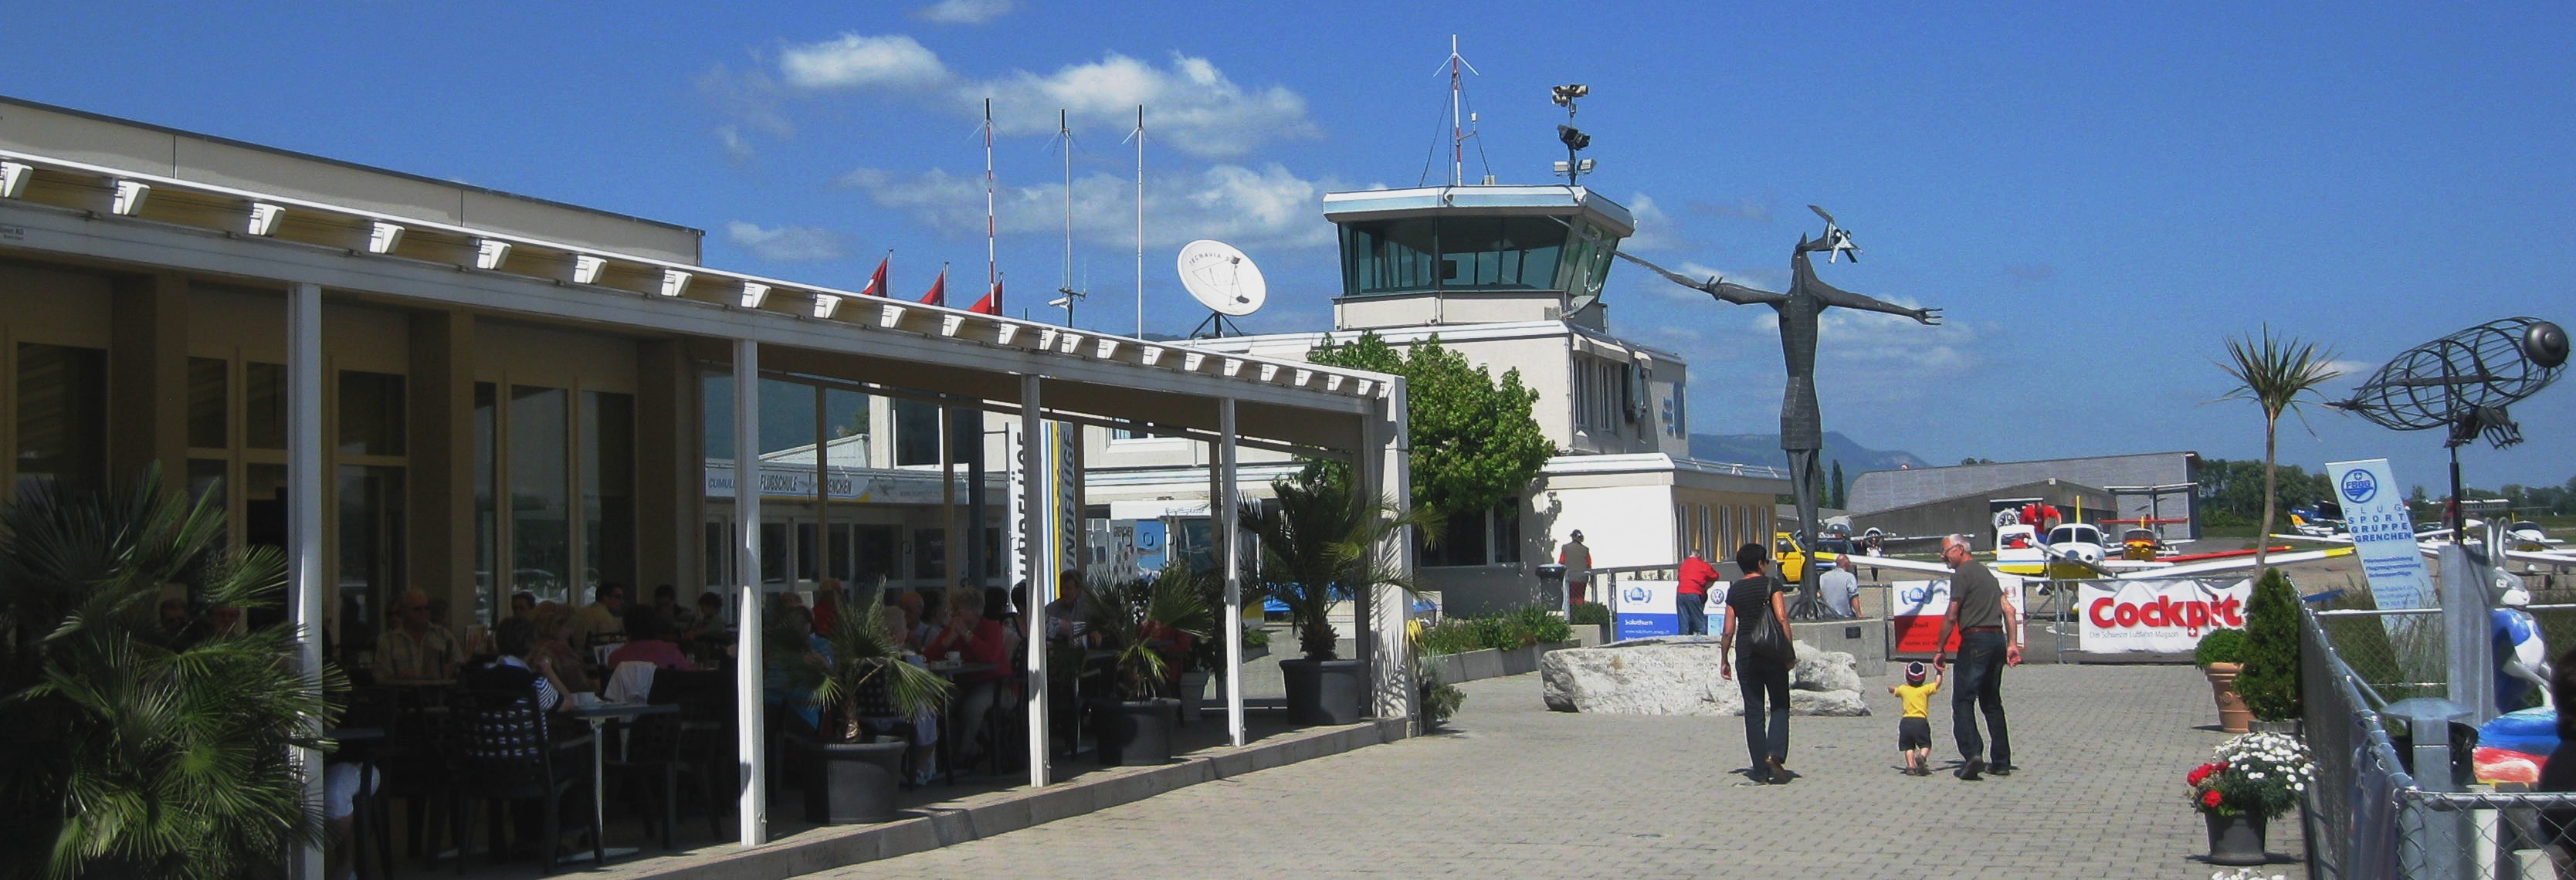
1723,290
1835,296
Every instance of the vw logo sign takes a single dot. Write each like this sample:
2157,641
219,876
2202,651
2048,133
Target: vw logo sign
2358,486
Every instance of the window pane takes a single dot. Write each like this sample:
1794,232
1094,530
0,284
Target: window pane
371,546
773,553
487,516
786,415
540,511
1392,256
62,416
371,413
719,556
206,403
1507,531
263,492
608,488
264,406
916,432
876,553
839,546
716,395
930,553
206,484
808,554
845,419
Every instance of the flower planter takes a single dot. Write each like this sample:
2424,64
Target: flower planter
1325,691
2233,717
2236,840
1193,693
1134,734
1520,660
857,784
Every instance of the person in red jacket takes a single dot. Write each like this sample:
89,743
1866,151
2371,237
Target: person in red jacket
1692,597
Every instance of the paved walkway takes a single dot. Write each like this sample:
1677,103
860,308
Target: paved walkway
1517,791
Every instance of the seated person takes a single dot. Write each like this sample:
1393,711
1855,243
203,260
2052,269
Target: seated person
978,641
648,636
515,639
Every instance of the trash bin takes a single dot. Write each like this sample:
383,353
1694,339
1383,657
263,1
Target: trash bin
1551,587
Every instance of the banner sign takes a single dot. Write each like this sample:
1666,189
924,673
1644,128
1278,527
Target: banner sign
1645,608
1915,610
2383,533
2162,616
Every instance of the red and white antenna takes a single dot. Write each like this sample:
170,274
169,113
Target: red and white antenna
992,263
1457,128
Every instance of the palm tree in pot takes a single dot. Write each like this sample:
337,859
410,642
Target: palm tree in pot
1320,544
861,675
1147,626
124,751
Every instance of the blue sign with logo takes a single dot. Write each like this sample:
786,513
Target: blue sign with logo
1644,608
2383,535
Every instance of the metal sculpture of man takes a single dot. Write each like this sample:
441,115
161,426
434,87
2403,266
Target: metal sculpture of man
1802,433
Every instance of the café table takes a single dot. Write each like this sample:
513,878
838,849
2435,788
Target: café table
599,715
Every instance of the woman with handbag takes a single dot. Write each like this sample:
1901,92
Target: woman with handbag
1757,639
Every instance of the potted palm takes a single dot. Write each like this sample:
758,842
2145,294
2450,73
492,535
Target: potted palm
2250,780
2218,656
1147,626
130,753
860,676
1320,544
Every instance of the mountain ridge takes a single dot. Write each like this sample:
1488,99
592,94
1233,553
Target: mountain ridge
1764,449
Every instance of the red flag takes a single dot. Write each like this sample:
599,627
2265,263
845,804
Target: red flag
876,282
991,304
938,295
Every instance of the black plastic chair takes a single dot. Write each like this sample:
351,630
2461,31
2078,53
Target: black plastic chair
507,752
656,761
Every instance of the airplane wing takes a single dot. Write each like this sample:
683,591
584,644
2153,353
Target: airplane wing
1917,566
2217,566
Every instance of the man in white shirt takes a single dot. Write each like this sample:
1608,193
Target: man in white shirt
1840,589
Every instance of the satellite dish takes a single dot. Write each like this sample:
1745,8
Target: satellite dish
1222,278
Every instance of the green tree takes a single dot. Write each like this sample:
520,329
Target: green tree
120,754
2279,374
1474,440
1838,499
2270,682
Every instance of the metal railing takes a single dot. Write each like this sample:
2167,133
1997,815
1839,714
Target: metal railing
2369,814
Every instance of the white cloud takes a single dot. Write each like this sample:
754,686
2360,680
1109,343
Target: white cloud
785,243
1655,229
1253,207
735,146
1190,105
963,11
856,61
2351,372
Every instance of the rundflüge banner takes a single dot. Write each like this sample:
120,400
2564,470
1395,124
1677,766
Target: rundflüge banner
2162,616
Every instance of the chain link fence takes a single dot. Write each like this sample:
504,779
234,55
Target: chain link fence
2371,814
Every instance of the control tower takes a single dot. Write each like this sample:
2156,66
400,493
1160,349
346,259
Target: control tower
1473,255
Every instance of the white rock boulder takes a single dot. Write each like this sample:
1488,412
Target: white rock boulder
1678,675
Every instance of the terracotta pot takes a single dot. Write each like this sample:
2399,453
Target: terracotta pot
2233,717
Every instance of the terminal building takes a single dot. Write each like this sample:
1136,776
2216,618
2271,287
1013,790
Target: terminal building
2152,488
1510,277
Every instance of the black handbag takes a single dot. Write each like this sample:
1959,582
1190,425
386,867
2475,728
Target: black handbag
1767,637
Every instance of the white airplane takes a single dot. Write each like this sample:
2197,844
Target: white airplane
2074,563
2530,546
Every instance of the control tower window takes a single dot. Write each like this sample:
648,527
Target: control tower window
1452,253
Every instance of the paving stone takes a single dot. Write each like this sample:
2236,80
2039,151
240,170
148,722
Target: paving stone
1515,790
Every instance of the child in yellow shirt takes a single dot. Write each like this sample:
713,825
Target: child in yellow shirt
1914,729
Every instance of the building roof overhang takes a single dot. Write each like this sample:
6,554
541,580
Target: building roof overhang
76,210
1482,201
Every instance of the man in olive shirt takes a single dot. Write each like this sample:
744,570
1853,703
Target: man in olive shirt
1989,640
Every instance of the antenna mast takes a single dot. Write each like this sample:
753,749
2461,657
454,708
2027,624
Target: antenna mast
1064,136
1457,130
992,265
1140,221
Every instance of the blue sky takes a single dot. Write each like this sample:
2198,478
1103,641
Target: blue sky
2096,197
